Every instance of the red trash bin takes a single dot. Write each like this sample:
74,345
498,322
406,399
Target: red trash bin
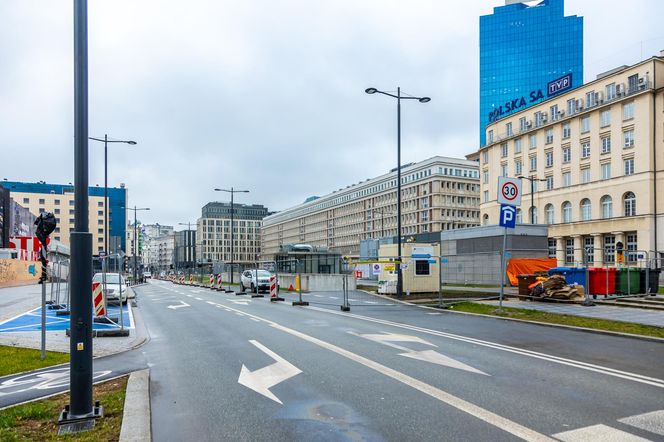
602,281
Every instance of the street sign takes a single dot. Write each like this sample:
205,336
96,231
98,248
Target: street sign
507,216
421,252
358,274
375,269
404,266
509,191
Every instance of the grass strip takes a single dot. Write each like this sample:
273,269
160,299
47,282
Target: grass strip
17,360
557,318
38,420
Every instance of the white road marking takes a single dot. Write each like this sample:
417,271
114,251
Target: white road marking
211,303
652,422
533,354
318,296
239,314
483,414
198,299
334,297
182,304
426,355
434,313
191,296
263,379
598,433
254,319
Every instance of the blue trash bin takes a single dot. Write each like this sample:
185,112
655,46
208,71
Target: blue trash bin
572,274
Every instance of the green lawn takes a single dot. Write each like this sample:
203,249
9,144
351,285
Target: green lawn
555,318
16,359
38,420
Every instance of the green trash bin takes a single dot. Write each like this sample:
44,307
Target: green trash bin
628,281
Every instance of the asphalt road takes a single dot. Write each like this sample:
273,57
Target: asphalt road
227,367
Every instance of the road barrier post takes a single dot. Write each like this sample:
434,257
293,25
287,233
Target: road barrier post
274,296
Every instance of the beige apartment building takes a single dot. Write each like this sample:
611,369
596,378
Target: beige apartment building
437,194
60,201
596,154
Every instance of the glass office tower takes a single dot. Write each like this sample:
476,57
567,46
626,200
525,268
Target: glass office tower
528,53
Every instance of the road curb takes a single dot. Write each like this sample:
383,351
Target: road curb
547,324
136,415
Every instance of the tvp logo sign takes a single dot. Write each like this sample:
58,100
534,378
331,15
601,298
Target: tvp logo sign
507,216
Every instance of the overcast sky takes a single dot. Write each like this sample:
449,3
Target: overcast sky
260,95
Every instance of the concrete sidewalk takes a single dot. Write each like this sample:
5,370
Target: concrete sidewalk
18,300
625,314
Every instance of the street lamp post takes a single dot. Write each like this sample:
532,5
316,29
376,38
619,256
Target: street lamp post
232,191
399,97
105,140
532,180
135,209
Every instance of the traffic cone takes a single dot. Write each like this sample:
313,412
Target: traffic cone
291,288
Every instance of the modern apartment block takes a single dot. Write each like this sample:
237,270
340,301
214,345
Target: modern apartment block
437,194
214,232
529,52
59,200
599,150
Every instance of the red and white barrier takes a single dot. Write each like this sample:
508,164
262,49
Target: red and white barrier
274,296
98,299
211,280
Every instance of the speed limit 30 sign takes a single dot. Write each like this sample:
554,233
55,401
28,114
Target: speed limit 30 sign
509,191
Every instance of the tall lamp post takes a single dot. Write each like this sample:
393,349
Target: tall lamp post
532,180
105,140
135,209
192,255
399,97
232,191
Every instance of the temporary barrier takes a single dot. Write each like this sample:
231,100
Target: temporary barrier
274,296
181,279
211,280
191,279
219,280
98,299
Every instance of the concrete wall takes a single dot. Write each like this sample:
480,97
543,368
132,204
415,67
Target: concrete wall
16,271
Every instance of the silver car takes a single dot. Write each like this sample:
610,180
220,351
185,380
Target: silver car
115,284
248,280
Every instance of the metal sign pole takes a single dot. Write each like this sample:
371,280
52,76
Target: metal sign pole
43,311
502,269
440,282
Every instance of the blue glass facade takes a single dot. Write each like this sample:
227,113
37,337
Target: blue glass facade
117,198
523,50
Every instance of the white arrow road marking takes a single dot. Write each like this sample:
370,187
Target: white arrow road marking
182,304
436,358
240,302
263,379
598,433
426,355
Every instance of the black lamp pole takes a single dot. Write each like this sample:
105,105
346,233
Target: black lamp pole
399,97
232,192
532,180
105,140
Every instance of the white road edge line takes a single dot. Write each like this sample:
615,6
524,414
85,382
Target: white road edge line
483,414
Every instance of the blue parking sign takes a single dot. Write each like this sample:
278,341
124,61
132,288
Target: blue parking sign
507,216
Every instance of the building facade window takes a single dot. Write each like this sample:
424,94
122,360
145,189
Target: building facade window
606,171
549,159
589,248
585,175
485,177
503,170
486,196
629,166
605,118
533,163
518,167
569,251
632,246
567,212
567,131
532,141
549,182
585,149
611,91
628,139
606,144
609,249
585,210
517,145
519,216
585,124
628,111
567,154
548,210
607,206
629,201
549,136
490,136
567,179
533,215
522,124
504,150
508,128
552,247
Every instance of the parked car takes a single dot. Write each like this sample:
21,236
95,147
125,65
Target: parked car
248,280
114,284
147,275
